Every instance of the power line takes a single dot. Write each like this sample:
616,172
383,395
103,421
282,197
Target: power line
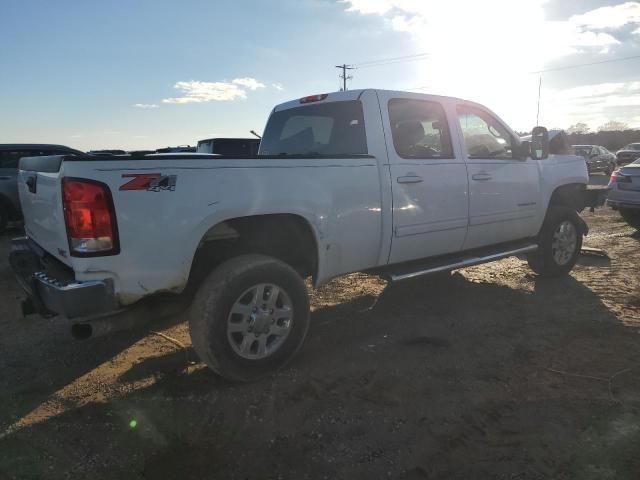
344,67
568,67
391,60
424,55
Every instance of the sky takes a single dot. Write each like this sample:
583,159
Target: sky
136,74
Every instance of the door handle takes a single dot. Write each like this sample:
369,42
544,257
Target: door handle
481,177
5,178
410,179
31,184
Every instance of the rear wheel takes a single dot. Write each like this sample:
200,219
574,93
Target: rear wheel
631,216
249,317
559,243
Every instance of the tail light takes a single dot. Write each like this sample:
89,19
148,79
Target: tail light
89,217
617,177
314,98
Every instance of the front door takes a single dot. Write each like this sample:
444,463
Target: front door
428,179
504,190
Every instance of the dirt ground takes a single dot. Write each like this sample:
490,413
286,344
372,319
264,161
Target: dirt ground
490,374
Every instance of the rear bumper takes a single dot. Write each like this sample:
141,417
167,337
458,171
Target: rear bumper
49,293
617,204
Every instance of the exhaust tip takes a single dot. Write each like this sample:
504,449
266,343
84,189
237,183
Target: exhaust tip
81,331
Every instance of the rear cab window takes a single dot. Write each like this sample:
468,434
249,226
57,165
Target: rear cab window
419,129
332,128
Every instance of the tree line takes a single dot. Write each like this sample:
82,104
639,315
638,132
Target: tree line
612,135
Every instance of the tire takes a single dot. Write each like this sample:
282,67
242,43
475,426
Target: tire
632,217
608,171
558,248
228,341
4,218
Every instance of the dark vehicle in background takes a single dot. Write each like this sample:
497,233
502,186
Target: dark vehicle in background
107,152
598,158
10,155
247,147
178,149
624,193
629,153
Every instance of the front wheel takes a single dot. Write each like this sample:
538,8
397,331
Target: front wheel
249,317
559,243
631,216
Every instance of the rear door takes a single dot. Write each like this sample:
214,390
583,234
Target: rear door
504,190
428,178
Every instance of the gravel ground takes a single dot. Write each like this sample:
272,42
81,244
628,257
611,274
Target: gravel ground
491,373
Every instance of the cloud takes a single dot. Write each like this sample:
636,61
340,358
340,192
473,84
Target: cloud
194,91
248,82
597,103
486,50
511,27
615,16
145,106
277,86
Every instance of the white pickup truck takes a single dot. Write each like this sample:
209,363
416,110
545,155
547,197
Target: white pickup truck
394,183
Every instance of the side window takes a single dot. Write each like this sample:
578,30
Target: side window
484,136
419,129
331,128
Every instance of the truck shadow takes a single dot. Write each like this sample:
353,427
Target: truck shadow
446,365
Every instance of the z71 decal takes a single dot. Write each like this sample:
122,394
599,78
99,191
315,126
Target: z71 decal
151,182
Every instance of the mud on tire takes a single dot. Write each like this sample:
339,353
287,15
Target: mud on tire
231,328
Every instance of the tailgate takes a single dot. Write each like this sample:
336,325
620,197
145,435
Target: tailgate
41,199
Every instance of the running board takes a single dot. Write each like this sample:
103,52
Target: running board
465,259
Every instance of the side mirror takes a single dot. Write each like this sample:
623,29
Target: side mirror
524,151
539,143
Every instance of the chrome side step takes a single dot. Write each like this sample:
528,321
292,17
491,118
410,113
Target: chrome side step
461,262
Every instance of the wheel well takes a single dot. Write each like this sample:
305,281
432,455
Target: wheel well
287,237
570,195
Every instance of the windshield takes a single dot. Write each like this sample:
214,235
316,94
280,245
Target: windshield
632,146
333,128
582,150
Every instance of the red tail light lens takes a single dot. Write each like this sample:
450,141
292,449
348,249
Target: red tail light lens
314,98
89,217
617,177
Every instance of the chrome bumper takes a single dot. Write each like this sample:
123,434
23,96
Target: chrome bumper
49,294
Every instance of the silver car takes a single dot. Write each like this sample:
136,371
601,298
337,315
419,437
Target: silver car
624,193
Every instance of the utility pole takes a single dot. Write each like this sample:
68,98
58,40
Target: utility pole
344,67
538,113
